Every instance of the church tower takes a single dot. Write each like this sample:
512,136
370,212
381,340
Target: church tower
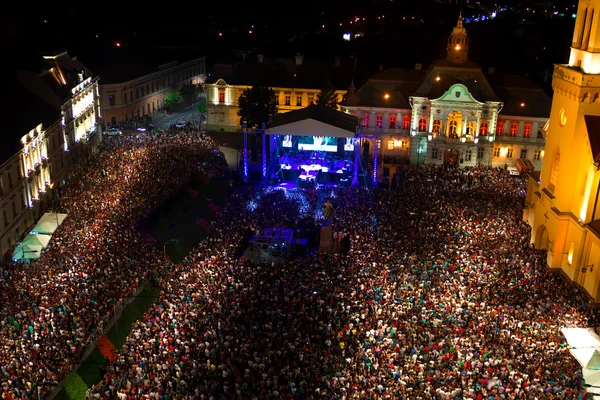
458,44
562,203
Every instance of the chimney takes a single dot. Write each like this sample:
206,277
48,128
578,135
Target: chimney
338,61
260,58
299,58
418,66
491,70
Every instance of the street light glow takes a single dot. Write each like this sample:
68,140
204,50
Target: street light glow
457,47
386,96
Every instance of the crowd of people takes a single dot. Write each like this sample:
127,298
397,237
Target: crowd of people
441,294
54,308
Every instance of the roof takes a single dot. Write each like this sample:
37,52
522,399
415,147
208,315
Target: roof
592,123
64,73
279,72
535,175
26,112
319,113
117,65
525,99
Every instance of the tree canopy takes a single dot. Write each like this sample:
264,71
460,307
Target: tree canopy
189,91
172,99
327,97
255,105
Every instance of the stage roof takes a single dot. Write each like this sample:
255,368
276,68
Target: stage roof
313,121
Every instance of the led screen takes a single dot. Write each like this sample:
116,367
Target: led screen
317,143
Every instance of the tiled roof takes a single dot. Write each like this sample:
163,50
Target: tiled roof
592,123
536,103
319,113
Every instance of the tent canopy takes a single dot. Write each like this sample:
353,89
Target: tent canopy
48,223
579,338
588,357
27,251
37,240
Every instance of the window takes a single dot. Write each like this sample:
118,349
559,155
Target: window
299,100
467,155
509,153
365,119
163,83
288,100
422,124
5,218
500,128
148,108
437,126
143,93
434,153
221,96
390,145
523,154
527,130
555,166
514,128
153,87
480,153
406,122
311,100
124,97
471,128
111,100
483,128
10,182
537,154
138,112
137,93
393,121
496,151
452,129
14,209
379,121
222,116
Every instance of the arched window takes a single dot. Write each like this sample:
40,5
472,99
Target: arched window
365,119
514,128
483,128
527,130
500,128
555,166
437,126
406,122
453,129
422,124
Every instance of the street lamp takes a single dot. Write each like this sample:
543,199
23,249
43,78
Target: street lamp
165,246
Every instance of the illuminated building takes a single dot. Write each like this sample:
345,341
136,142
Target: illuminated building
53,125
562,202
134,86
452,112
296,83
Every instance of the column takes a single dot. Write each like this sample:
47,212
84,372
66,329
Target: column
264,150
478,124
375,154
245,150
356,160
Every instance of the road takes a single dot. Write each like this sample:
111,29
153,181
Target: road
163,121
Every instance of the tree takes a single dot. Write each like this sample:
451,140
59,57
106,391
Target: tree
327,97
172,99
255,105
189,91
202,106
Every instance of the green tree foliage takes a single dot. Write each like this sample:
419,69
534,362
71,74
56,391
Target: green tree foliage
172,99
202,106
189,91
255,105
75,387
327,97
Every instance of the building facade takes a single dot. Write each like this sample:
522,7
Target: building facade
296,83
135,98
562,201
452,112
56,123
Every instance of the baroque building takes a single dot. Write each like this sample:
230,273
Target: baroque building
452,112
562,201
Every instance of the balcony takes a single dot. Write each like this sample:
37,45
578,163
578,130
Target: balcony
520,139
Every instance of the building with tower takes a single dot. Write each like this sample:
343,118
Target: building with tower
562,201
453,112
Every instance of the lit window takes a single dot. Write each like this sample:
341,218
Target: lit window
365,119
288,100
514,127
497,152
509,153
390,145
468,155
527,130
422,124
536,154
453,129
523,154
480,153
406,122
299,100
379,120
393,121
483,128
437,126
500,128
311,100
555,166
221,96
434,153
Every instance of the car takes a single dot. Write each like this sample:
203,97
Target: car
113,132
180,124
